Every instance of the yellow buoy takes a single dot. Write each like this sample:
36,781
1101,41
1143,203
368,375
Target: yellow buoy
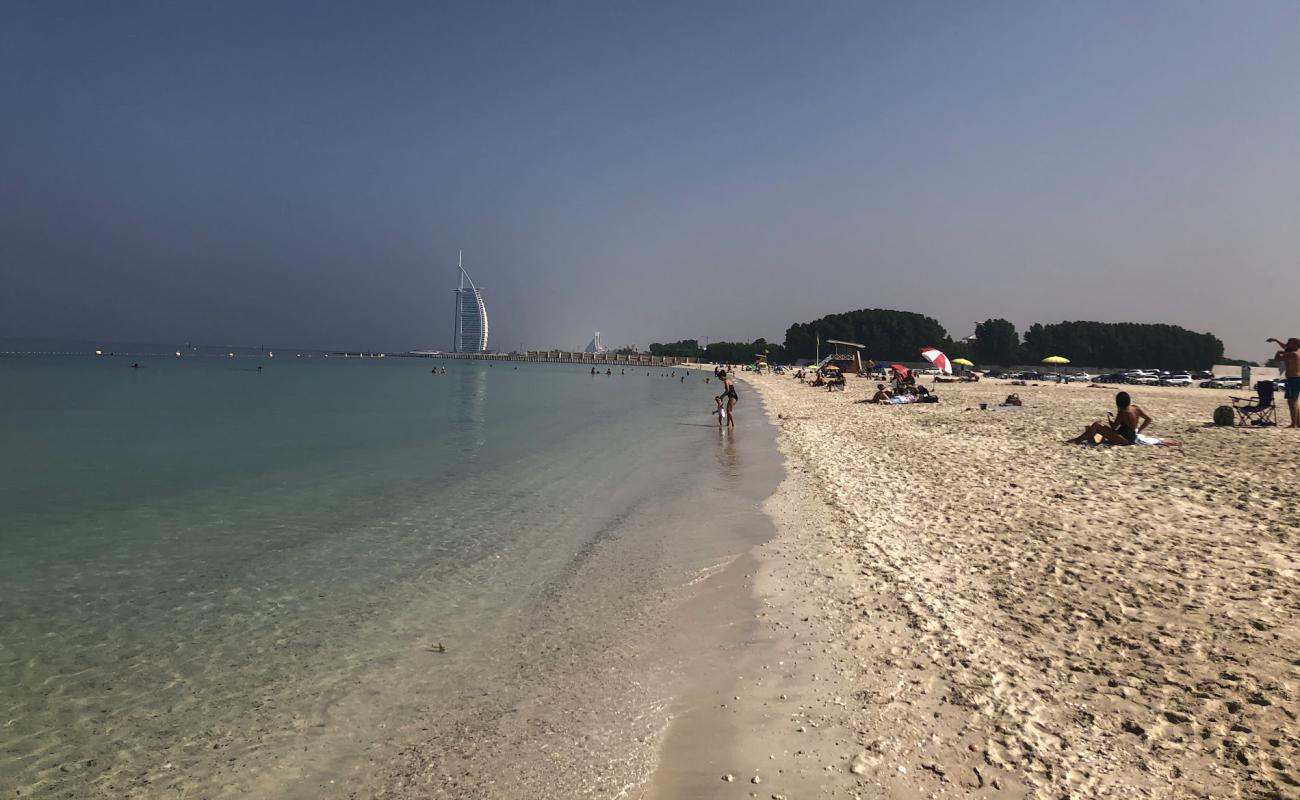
178,354
99,352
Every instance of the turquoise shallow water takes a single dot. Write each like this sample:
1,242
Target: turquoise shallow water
224,582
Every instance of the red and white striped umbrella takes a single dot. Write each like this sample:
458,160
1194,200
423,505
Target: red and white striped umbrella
938,359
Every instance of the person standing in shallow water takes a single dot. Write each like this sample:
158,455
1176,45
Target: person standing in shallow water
729,398
1289,355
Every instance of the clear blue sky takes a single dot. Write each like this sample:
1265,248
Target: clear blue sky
304,173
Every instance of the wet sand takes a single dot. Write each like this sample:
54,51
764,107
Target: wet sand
957,604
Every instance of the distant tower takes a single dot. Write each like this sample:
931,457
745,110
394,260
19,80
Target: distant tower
596,345
471,315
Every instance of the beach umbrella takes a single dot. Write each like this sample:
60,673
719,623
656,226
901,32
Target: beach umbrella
1057,360
937,358
965,362
902,371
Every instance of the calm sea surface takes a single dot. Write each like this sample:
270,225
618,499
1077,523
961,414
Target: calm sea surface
349,577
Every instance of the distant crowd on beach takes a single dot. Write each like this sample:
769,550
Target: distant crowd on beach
898,385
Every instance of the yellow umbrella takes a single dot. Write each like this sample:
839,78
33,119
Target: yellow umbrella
1056,360
965,362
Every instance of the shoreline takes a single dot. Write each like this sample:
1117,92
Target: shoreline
765,721
962,604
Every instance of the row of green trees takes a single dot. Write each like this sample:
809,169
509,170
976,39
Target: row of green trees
723,352
891,335
898,335
1102,344
1123,344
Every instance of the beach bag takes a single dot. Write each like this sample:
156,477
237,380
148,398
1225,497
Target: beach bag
1223,415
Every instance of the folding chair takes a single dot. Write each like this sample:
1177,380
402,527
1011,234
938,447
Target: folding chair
1258,410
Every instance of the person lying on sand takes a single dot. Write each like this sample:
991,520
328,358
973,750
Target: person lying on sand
881,397
1124,428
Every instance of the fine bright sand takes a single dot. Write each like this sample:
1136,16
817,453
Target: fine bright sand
958,604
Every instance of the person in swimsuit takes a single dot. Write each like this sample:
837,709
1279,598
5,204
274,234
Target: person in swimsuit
1121,429
730,397
1289,355
881,397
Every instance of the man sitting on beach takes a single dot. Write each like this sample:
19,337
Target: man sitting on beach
1124,428
1289,355
881,397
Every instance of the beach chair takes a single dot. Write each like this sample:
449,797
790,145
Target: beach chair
1257,410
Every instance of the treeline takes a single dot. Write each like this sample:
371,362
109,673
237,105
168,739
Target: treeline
891,335
1123,344
723,352
888,335
1098,344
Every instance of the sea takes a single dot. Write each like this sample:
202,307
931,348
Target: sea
274,574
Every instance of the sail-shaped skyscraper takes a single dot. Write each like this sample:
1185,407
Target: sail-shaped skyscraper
471,315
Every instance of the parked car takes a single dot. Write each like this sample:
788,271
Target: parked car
1225,382
1143,379
1202,376
1177,379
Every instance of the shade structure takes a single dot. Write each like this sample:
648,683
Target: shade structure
937,358
1056,360
965,362
902,371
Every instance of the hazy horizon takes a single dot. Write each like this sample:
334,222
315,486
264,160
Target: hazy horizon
251,173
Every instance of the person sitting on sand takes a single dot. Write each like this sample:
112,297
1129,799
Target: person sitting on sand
882,395
1289,355
1124,428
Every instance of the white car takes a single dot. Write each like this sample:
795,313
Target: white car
1143,379
1226,382
1177,379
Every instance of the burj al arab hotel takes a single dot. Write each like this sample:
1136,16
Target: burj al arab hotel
471,315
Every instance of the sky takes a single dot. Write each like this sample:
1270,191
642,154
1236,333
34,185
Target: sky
303,174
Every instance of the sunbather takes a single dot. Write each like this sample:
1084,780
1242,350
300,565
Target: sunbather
882,395
1124,428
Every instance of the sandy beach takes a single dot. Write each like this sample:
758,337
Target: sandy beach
957,604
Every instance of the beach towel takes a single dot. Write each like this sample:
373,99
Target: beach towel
1142,439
